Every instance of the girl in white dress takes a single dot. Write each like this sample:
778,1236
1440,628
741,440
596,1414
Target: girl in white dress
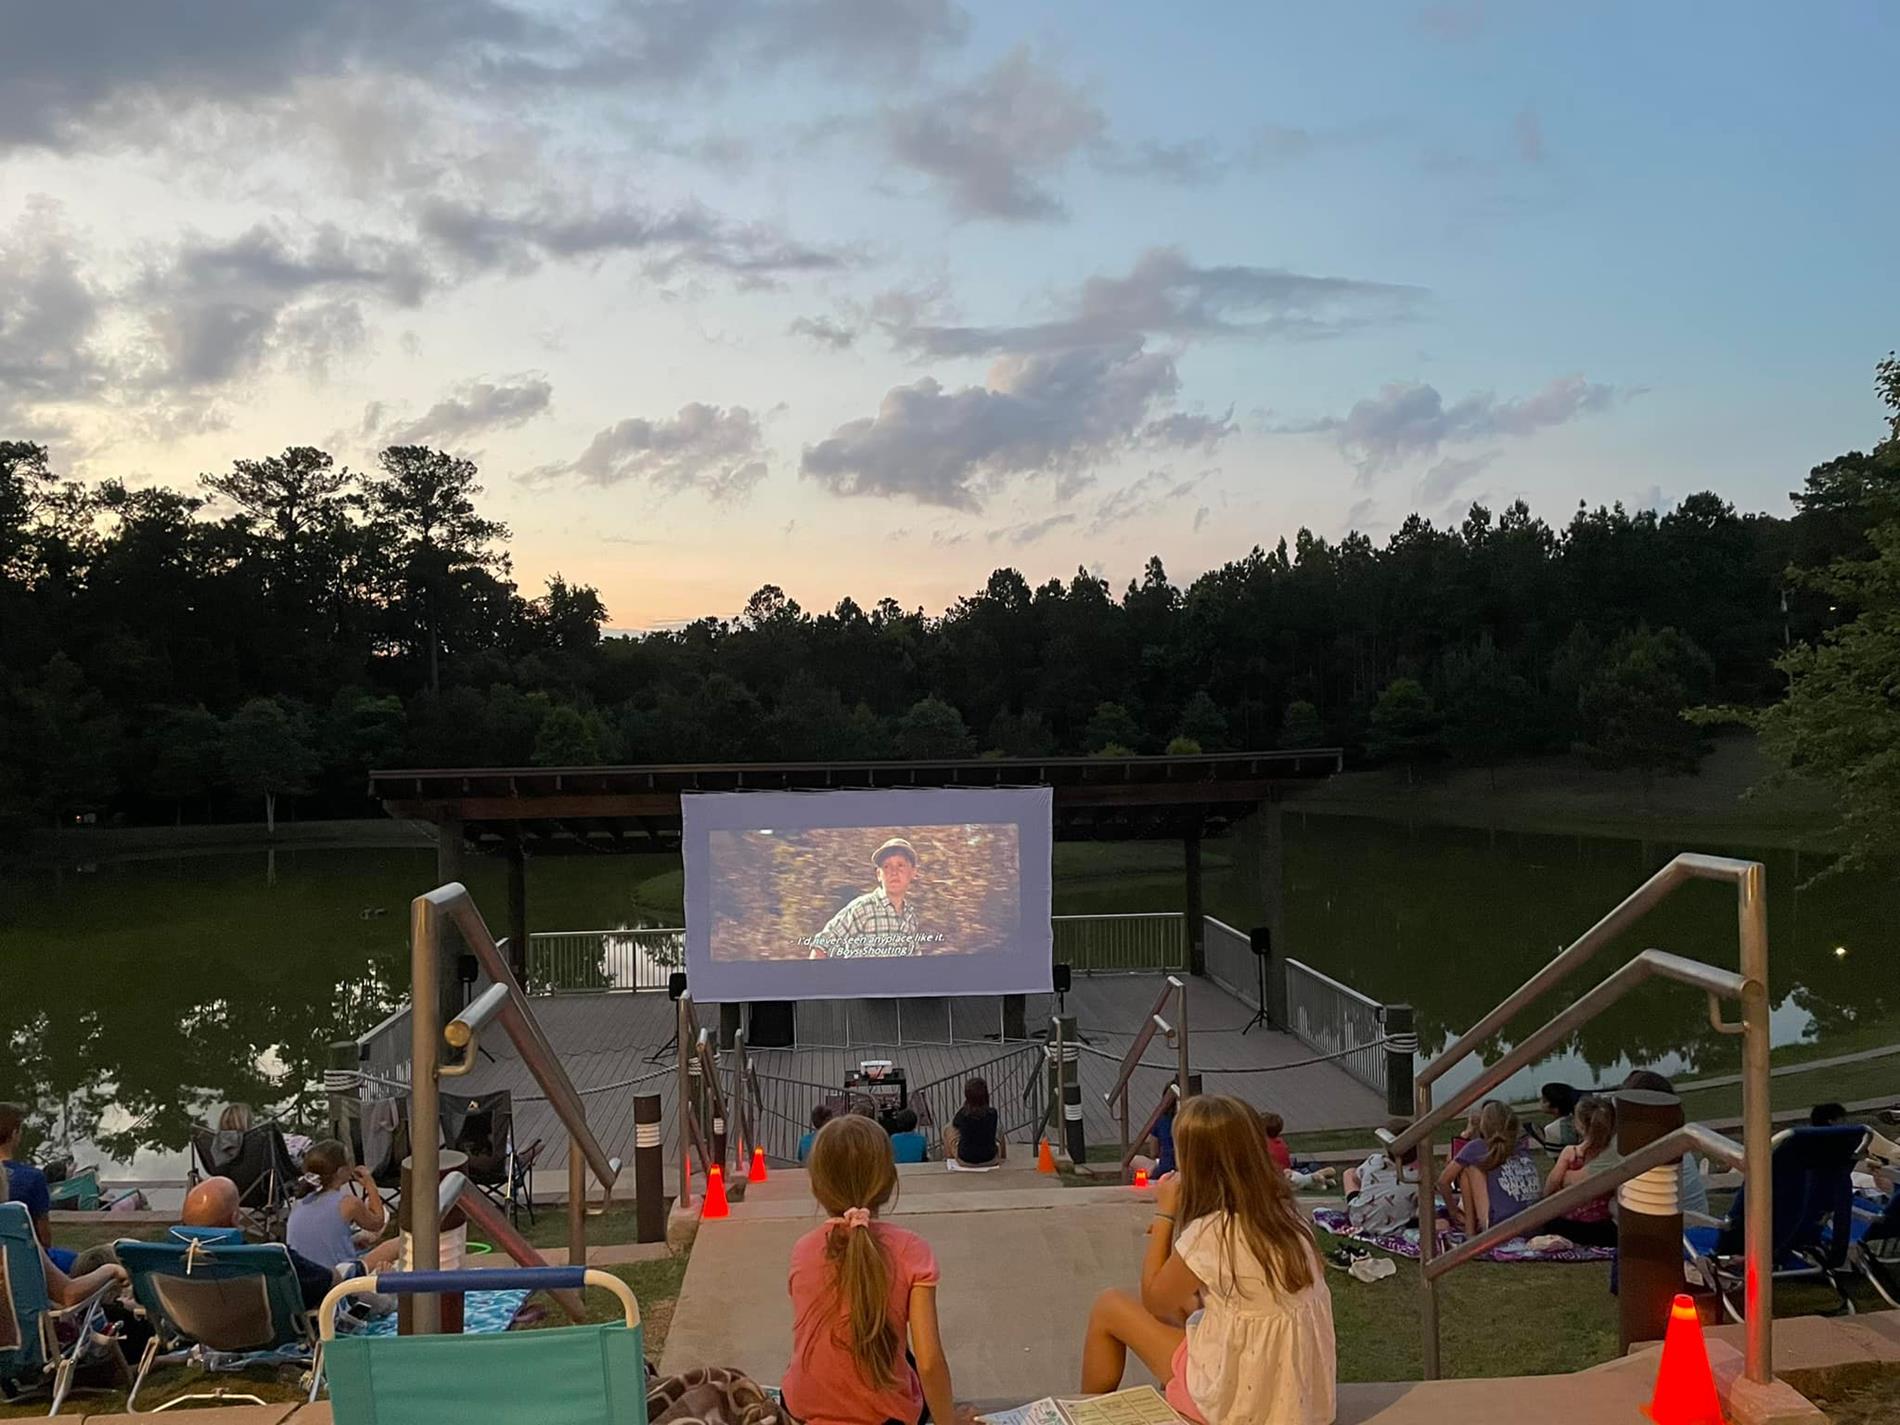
1233,1313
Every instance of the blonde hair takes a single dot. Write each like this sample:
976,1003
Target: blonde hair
236,1118
1500,1130
851,1167
1220,1146
1596,1122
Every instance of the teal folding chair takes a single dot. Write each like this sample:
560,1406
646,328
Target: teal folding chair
568,1375
217,1304
32,1357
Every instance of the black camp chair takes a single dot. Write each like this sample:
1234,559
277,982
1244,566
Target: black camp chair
259,1162
483,1127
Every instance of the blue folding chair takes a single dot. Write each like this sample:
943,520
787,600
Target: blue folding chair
595,1374
1813,1186
218,1303
32,1357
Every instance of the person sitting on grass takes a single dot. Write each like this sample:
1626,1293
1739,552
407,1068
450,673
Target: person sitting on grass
1827,1115
1591,1224
1382,1195
1228,1236
866,1348
907,1144
1558,1103
972,1137
324,1226
1495,1176
1276,1140
820,1116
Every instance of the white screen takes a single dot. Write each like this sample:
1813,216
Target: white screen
847,895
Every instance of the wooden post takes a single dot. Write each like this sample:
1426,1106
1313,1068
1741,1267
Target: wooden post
1196,916
518,911
1649,1220
1401,1046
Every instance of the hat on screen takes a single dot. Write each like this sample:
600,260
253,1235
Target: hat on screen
895,846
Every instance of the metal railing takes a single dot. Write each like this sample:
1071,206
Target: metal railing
1145,943
1327,1017
502,1001
1750,986
1230,961
567,961
1173,999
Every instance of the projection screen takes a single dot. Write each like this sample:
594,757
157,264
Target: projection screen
853,894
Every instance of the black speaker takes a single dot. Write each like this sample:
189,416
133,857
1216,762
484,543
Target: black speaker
1261,939
467,969
676,984
771,1026
1062,979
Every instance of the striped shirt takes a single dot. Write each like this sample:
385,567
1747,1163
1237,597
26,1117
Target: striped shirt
869,927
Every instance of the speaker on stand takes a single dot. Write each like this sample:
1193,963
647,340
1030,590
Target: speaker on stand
1260,941
1063,980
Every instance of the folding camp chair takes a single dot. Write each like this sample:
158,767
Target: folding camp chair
31,1354
1813,1213
257,1160
218,1304
1875,1249
483,1127
594,1373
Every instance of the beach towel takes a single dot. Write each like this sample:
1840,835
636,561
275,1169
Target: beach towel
1405,1243
483,1312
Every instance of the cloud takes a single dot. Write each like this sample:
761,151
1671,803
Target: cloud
991,145
74,70
49,315
1451,474
476,408
1041,413
1167,294
1194,163
825,331
1462,20
1031,532
1151,495
1410,420
218,309
1528,133
552,228
712,449
1201,517
1185,430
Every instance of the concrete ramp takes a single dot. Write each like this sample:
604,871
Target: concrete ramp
1022,1260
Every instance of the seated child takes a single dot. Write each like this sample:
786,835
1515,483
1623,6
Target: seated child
1259,1350
907,1144
866,1349
1590,1225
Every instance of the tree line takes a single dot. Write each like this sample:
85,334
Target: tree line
292,623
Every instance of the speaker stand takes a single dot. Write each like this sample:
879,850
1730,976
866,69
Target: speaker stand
1259,1019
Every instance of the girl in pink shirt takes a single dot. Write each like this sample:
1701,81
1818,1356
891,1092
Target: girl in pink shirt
865,1344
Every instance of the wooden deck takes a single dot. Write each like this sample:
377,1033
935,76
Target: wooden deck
616,1045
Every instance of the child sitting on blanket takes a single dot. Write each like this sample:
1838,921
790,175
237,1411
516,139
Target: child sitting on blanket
866,1349
1259,1350
1283,1157
1590,1225
1381,1195
1494,1175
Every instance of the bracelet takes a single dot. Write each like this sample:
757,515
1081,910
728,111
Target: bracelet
1165,1216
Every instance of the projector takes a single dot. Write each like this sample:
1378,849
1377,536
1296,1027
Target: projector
874,1068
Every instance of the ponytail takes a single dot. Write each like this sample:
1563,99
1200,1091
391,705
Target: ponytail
852,1176
1498,1126
1596,1117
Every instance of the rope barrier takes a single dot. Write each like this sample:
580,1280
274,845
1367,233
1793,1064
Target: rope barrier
1172,1068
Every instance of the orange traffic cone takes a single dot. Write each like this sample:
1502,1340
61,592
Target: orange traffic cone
1141,1177
716,1205
1045,1160
757,1174
1685,1386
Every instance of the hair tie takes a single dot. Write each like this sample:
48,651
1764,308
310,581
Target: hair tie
852,1217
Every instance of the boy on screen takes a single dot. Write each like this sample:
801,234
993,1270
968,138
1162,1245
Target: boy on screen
877,923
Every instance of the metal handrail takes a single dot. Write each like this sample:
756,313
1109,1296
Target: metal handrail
510,1007
1668,1149
1176,1034
1750,986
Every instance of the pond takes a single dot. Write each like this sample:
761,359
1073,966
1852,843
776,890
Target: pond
136,991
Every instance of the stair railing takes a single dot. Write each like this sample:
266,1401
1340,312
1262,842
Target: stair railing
1750,987
1176,1035
503,1002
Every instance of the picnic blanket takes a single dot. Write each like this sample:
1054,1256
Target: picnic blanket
1405,1243
483,1313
